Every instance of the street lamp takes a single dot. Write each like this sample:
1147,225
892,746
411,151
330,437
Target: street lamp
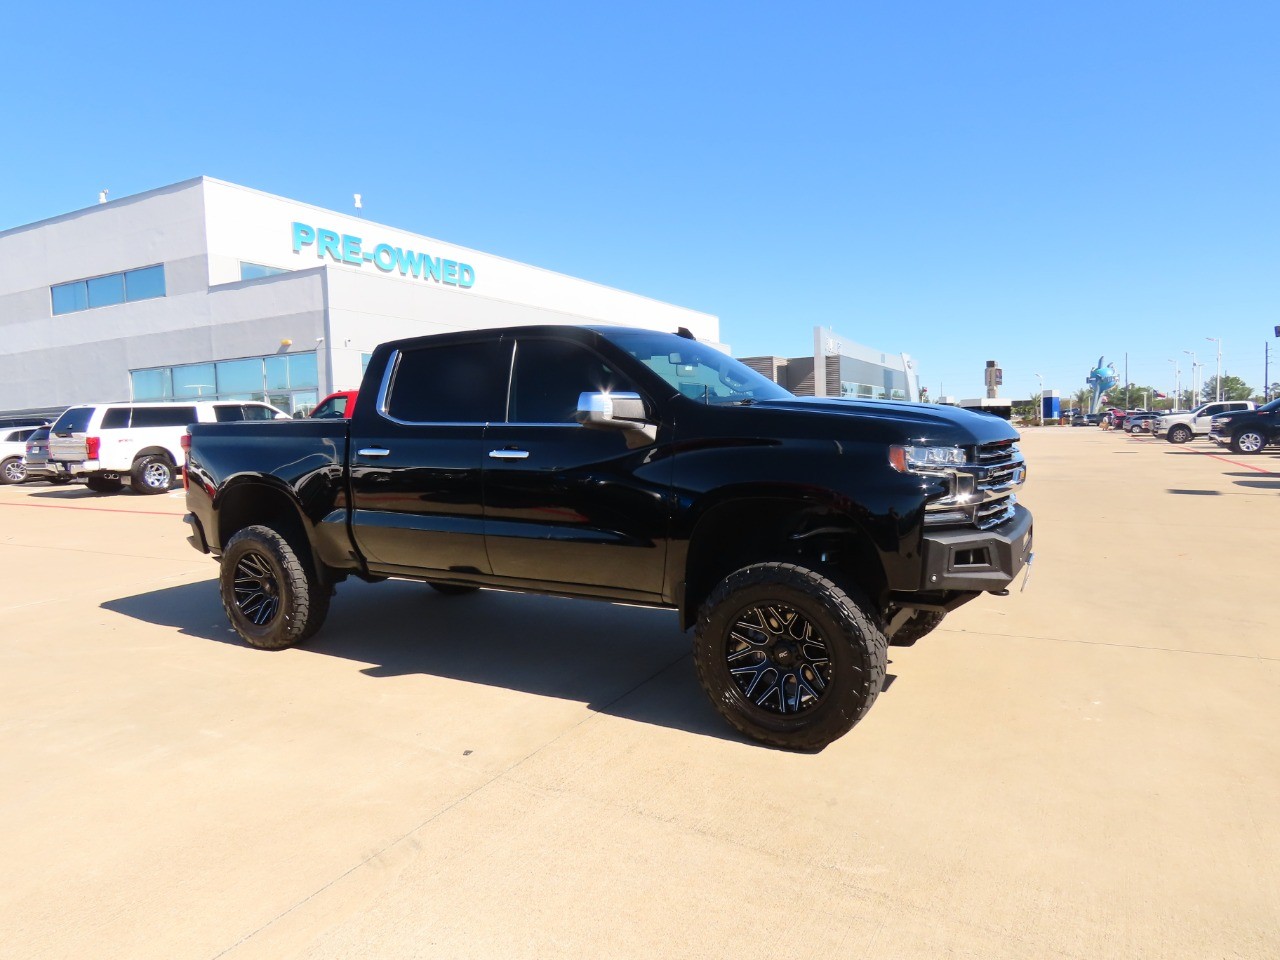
1040,418
1218,382
1177,383
1192,355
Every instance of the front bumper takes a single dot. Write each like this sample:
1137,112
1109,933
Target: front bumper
965,559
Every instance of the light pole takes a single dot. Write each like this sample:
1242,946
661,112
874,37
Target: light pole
1040,418
1177,383
1194,365
1218,382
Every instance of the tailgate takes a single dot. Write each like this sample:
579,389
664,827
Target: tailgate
70,448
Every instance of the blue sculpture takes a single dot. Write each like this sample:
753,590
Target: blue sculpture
1101,379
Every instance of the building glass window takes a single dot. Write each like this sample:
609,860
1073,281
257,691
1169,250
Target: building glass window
145,283
152,384
252,271
239,379
194,380
106,291
287,381
70,297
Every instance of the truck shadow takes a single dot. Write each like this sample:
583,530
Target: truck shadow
628,662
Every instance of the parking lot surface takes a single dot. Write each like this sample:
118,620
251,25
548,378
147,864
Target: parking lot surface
1089,768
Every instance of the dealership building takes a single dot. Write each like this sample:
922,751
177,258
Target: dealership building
842,368
207,289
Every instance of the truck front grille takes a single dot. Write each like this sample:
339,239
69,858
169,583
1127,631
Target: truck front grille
984,491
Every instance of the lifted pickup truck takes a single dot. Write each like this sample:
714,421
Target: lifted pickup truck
795,535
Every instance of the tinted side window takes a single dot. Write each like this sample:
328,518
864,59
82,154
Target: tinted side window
163,416
257,411
331,409
550,374
228,414
115,418
457,383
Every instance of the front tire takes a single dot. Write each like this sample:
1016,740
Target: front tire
269,595
1179,434
788,657
13,470
151,474
1248,440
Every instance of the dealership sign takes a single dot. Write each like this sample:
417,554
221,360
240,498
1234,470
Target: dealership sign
344,248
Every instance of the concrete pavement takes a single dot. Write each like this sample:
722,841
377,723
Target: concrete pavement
1086,769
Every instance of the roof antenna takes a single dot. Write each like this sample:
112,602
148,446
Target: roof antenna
102,196
684,332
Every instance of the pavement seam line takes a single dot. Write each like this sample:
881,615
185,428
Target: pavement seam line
500,775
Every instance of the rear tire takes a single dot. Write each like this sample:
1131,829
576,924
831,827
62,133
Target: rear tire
13,470
788,657
921,624
270,596
1248,440
1179,434
104,484
151,474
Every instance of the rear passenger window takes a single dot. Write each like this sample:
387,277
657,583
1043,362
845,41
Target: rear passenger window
256,411
457,383
163,416
116,418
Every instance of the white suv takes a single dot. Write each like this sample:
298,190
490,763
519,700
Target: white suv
1181,427
13,444
107,442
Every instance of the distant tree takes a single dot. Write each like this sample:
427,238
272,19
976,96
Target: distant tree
1233,388
1082,399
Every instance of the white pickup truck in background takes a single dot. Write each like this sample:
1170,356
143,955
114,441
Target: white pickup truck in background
1181,427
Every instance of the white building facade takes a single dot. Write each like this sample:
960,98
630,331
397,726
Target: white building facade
209,289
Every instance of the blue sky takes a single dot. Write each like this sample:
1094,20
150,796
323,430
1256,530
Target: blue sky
1029,183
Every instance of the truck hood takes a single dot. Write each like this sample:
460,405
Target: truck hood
931,422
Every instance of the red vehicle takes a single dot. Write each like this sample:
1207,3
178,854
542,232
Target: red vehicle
336,406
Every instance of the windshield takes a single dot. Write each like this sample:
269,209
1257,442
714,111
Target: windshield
75,420
698,371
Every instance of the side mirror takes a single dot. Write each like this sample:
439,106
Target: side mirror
616,411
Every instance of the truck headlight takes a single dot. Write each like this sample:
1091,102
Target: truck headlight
925,459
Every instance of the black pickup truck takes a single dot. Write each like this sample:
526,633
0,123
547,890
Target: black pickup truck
796,535
1247,431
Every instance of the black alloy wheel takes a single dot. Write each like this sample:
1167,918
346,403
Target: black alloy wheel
270,593
787,656
256,589
778,659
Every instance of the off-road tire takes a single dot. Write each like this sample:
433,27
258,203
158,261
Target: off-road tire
921,624
1179,433
849,647
451,589
1248,440
12,470
104,484
270,596
151,474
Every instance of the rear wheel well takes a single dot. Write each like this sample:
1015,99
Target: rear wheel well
153,452
739,533
258,504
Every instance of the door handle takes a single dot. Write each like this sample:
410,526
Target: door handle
509,454
373,452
